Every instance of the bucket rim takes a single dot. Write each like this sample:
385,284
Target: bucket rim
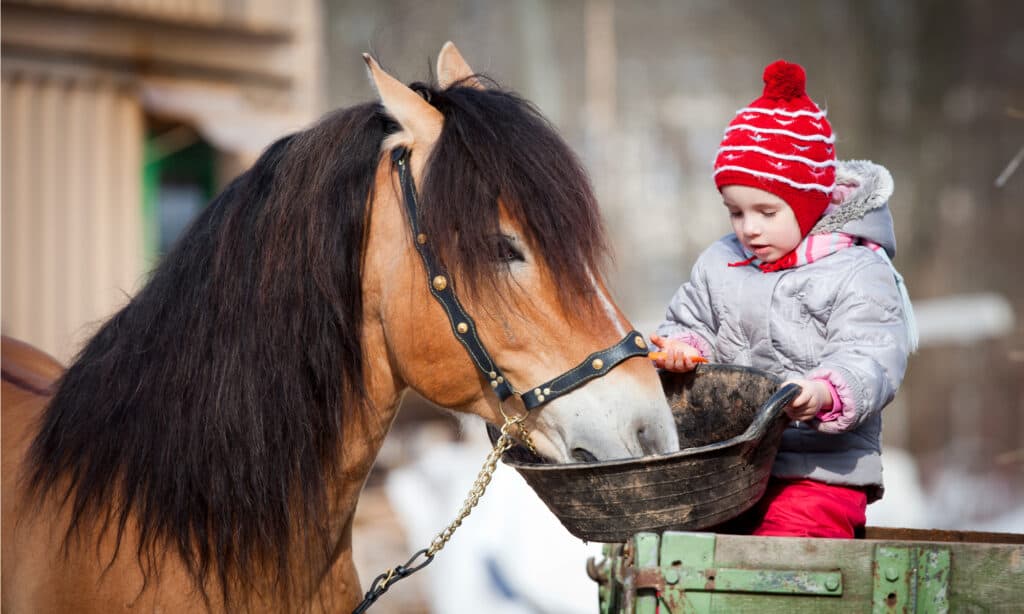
764,417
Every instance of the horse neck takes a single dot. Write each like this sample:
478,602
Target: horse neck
362,443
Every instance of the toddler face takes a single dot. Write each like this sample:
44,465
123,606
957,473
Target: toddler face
762,221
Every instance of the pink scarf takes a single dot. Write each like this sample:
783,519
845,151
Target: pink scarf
813,247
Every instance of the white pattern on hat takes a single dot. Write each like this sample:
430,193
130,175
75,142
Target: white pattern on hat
818,187
794,135
775,154
801,113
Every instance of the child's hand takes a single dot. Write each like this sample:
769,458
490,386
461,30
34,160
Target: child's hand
678,356
814,396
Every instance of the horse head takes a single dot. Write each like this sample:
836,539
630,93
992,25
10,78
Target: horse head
507,211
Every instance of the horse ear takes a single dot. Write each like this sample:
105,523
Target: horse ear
420,122
452,68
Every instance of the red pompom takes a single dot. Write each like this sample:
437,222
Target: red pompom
784,81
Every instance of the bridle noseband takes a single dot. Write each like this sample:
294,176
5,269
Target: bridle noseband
593,366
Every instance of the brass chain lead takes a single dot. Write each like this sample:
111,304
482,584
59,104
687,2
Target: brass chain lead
383,582
501,446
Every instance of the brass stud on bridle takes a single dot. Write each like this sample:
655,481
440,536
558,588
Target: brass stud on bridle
463,328
440,283
598,364
639,341
421,239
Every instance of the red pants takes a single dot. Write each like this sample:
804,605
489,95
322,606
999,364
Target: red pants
804,508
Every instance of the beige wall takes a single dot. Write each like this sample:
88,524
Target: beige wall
79,79
72,217
259,15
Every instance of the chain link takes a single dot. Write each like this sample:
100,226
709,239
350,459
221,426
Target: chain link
524,435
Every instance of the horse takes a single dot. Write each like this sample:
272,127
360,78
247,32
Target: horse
207,447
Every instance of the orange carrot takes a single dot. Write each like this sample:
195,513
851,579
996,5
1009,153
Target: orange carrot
661,356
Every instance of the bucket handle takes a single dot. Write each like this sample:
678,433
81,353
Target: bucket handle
769,412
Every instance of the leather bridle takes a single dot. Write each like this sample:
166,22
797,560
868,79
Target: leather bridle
596,365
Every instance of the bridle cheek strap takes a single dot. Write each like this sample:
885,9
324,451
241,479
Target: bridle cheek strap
464,328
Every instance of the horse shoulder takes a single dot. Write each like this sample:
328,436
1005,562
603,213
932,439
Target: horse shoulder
28,377
27,382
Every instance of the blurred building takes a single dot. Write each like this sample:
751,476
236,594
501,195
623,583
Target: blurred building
121,118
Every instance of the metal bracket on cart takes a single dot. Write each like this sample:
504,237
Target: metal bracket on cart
911,579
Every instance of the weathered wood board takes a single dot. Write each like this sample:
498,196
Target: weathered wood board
892,570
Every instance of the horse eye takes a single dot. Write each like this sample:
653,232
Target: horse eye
505,250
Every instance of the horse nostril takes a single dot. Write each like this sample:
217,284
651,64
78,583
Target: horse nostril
583,456
648,444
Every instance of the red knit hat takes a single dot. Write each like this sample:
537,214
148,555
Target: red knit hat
782,143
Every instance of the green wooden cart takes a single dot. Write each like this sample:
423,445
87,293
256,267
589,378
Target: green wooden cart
891,570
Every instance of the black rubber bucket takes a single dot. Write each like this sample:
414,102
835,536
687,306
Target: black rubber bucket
730,422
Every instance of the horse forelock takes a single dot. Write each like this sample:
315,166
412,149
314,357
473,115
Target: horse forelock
211,408
496,146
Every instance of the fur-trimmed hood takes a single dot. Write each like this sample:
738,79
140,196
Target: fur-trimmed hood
864,211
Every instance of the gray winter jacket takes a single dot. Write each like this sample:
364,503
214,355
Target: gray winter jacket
840,318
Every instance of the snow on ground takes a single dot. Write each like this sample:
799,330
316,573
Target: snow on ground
960,500
511,555
904,502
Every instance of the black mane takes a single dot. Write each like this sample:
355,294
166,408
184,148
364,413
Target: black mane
211,408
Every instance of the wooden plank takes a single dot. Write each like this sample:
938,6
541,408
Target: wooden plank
852,557
955,572
983,577
986,578
936,535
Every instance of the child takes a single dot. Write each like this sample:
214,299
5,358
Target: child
804,288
